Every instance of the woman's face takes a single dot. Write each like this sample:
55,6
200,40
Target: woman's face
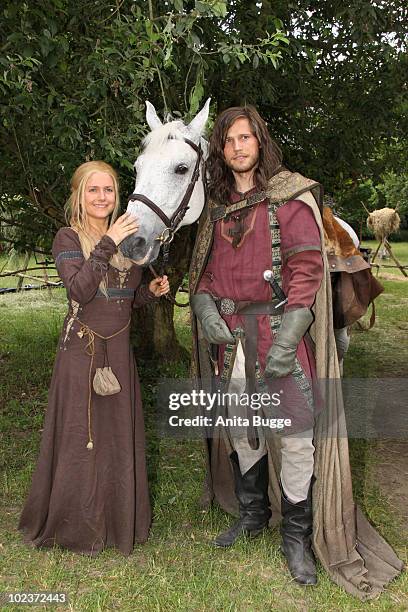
100,196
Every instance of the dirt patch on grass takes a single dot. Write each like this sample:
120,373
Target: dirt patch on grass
391,277
391,474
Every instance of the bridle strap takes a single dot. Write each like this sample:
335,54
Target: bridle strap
142,198
178,215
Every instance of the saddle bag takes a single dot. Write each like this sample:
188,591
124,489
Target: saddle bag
354,288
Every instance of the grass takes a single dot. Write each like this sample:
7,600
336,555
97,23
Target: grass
16,262
399,250
178,568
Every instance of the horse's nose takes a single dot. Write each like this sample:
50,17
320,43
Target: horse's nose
138,242
130,245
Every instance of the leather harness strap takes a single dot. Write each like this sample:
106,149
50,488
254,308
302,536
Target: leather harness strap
220,212
173,222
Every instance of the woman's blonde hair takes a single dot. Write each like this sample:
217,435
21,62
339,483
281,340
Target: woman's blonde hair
76,215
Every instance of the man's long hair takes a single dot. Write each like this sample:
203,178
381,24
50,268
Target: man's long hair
220,178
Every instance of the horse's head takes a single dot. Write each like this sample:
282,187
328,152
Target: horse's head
169,188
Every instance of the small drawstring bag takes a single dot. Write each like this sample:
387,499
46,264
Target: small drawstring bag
105,381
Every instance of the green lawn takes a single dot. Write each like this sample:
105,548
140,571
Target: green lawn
178,569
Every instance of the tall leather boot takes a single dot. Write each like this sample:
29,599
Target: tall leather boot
296,531
251,490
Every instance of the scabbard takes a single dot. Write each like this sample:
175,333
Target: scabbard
250,351
213,350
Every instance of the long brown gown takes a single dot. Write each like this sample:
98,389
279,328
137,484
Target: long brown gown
88,499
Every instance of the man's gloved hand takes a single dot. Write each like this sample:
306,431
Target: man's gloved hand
215,329
281,358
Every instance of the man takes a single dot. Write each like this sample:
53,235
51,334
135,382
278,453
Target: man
261,219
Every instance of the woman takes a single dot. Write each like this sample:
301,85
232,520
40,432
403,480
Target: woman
89,489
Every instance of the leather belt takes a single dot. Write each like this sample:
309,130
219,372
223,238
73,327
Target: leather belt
227,306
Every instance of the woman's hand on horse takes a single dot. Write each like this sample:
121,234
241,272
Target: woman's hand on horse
159,286
123,227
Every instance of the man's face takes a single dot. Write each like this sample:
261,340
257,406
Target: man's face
241,148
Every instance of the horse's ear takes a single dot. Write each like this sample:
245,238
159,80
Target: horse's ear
197,125
151,116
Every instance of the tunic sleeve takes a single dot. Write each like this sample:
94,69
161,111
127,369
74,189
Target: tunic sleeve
143,296
205,282
81,277
302,262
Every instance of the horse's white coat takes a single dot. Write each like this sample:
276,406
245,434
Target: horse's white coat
164,151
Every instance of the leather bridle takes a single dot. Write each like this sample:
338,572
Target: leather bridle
172,223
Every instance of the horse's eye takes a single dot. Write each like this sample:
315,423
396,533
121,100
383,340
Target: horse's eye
181,169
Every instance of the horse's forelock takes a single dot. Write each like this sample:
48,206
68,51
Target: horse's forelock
175,130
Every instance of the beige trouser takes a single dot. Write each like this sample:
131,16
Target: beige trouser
297,449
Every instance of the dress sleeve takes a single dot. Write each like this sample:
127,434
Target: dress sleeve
81,277
143,296
302,261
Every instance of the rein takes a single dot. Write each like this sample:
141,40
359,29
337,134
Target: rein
168,296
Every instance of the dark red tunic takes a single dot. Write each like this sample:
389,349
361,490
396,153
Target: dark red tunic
237,273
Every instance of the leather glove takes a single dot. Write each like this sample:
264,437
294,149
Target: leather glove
215,329
281,357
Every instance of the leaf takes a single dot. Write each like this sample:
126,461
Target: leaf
44,46
195,39
219,9
255,61
201,7
195,96
53,27
179,5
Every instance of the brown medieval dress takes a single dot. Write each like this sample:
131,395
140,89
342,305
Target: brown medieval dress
86,499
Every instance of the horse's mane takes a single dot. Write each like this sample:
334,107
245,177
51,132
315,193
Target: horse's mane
175,130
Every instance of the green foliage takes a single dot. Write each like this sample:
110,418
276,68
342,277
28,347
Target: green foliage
394,189
73,80
354,199
328,78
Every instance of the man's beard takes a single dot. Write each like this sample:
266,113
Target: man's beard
244,169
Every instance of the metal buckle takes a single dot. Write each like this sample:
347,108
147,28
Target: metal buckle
227,306
166,236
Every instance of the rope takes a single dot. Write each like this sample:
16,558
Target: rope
85,330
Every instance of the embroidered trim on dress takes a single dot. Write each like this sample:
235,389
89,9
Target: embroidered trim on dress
74,308
117,292
69,255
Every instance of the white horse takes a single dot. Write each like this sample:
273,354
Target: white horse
169,190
